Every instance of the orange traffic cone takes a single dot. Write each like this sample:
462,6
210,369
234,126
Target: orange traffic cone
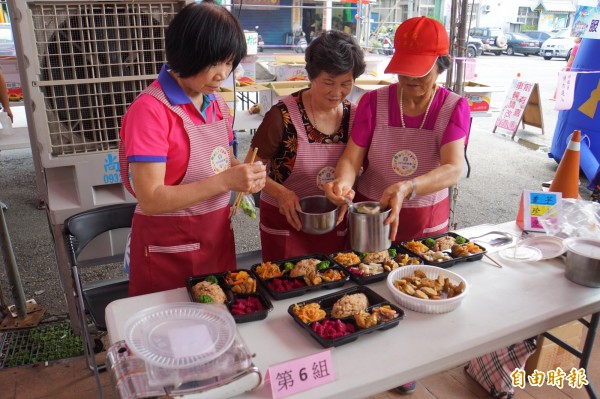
566,179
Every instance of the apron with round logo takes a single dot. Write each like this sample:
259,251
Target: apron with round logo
397,154
168,248
314,166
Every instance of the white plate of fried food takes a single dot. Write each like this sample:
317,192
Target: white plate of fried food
427,289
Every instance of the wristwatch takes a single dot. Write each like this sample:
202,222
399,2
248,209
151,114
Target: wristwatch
413,193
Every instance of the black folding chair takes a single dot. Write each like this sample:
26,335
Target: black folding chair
93,297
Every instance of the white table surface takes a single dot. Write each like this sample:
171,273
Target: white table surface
503,306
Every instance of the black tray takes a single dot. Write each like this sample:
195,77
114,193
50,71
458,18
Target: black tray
233,297
293,292
448,263
363,280
326,302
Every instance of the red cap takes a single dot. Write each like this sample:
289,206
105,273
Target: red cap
418,43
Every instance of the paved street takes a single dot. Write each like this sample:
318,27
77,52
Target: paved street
501,169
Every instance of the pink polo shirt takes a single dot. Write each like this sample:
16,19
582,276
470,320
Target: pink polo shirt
364,122
153,133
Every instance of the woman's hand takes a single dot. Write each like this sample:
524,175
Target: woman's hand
336,190
289,205
393,197
247,178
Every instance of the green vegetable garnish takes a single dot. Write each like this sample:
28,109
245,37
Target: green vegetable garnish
287,267
211,279
429,242
204,299
361,255
460,240
392,252
248,208
323,265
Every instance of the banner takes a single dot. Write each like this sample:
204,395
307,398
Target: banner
586,22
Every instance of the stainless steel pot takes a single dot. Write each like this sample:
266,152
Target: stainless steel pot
583,261
318,214
367,231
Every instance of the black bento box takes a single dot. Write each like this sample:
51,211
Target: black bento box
326,303
361,278
284,286
237,302
449,262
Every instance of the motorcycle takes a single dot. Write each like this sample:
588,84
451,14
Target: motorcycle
387,45
300,43
260,44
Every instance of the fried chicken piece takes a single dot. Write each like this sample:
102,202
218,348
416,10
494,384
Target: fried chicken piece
349,305
443,243
376,257
304,267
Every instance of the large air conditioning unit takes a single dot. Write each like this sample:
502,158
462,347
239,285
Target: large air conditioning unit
81,64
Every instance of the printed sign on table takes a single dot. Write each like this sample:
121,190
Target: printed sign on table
565,90
515,102
300,374
535,205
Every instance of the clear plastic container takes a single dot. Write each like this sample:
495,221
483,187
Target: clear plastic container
180,335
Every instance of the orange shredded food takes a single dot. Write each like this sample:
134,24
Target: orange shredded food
416,246
347,259
268,270
309,312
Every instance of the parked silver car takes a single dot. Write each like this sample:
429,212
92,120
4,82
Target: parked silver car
559,45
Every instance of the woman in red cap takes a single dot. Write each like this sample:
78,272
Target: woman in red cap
409,137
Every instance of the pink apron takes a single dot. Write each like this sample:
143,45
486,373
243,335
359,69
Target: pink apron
166,249
398,154
314,166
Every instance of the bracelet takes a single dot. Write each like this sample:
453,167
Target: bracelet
413,193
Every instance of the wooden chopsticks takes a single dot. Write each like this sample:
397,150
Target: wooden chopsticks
238,198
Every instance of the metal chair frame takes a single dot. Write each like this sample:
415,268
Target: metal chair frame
79,231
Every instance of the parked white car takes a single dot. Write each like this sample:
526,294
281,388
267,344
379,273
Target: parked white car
559,45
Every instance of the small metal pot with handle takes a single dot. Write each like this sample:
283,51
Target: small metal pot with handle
583,261
367,231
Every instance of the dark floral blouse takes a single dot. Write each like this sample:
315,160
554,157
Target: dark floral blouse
277,140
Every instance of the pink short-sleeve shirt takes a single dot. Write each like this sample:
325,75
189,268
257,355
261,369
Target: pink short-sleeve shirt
153,133
364,122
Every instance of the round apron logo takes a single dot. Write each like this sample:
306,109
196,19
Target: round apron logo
325,175
405,163
219,159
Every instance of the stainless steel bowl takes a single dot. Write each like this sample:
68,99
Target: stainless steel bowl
367,231
583,261
318,215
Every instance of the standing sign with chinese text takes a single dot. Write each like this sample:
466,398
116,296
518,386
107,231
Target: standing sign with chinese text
522,103
536,204
300,374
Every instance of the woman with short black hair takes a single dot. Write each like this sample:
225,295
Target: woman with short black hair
176,156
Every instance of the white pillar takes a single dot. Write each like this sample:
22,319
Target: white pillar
327,11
